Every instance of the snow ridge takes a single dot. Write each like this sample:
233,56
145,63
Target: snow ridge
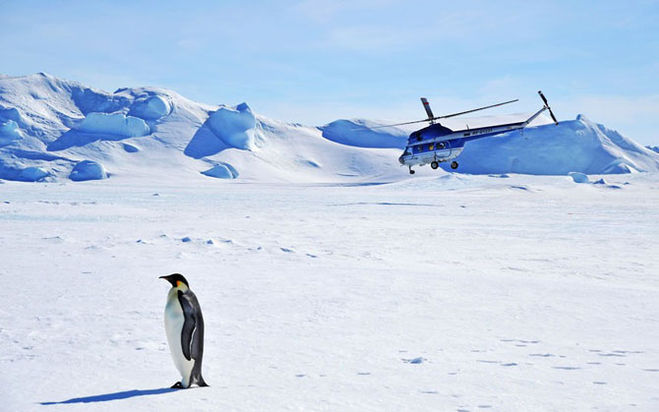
51,128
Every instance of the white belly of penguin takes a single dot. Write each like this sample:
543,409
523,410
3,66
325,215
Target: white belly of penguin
174,319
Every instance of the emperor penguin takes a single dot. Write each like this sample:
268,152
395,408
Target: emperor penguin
184,325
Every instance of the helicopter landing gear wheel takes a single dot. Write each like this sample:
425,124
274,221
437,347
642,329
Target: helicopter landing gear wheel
434,164
411,171
454,165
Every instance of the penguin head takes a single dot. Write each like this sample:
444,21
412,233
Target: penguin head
177,280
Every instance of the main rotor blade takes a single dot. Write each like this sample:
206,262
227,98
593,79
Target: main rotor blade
445,116
401,124
475,110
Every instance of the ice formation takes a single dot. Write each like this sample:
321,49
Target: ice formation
48,126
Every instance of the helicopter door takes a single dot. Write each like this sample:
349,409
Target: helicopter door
442,150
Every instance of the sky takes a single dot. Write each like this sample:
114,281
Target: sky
313,62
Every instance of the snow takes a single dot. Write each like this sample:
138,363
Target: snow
449,292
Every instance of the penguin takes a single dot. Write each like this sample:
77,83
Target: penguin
184,325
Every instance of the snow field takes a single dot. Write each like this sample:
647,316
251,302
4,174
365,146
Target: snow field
449,293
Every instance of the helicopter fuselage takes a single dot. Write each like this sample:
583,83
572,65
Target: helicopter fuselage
437,143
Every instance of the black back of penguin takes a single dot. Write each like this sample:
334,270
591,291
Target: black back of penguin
192,335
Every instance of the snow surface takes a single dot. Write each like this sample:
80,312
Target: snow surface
51,125
445,292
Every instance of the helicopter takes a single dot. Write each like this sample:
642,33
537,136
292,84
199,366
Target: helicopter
435,143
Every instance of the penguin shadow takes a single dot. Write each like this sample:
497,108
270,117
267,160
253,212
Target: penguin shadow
114,396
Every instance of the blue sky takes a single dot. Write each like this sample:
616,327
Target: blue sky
316,61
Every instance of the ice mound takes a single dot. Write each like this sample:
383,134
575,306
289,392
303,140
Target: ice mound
31,174
204,143
115,124
88,170
225,128
100,126
151,107
130,148
234,126
9,132
89,100
222,171
11,113
578,177
360,133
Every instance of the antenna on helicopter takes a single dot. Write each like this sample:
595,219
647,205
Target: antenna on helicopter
432,118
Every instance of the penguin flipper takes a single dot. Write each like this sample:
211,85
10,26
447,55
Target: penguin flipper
189,324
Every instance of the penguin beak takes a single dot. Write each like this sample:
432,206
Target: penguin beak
167,278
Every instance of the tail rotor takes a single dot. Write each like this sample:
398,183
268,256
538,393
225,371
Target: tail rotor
544,99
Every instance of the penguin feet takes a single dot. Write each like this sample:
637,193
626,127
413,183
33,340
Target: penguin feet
177,385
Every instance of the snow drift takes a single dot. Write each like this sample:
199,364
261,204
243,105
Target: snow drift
360,133
49,127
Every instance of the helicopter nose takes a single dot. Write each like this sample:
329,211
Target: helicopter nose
400,160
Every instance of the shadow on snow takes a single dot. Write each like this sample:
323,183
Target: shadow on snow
113,396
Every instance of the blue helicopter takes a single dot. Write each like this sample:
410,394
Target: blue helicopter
436,143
